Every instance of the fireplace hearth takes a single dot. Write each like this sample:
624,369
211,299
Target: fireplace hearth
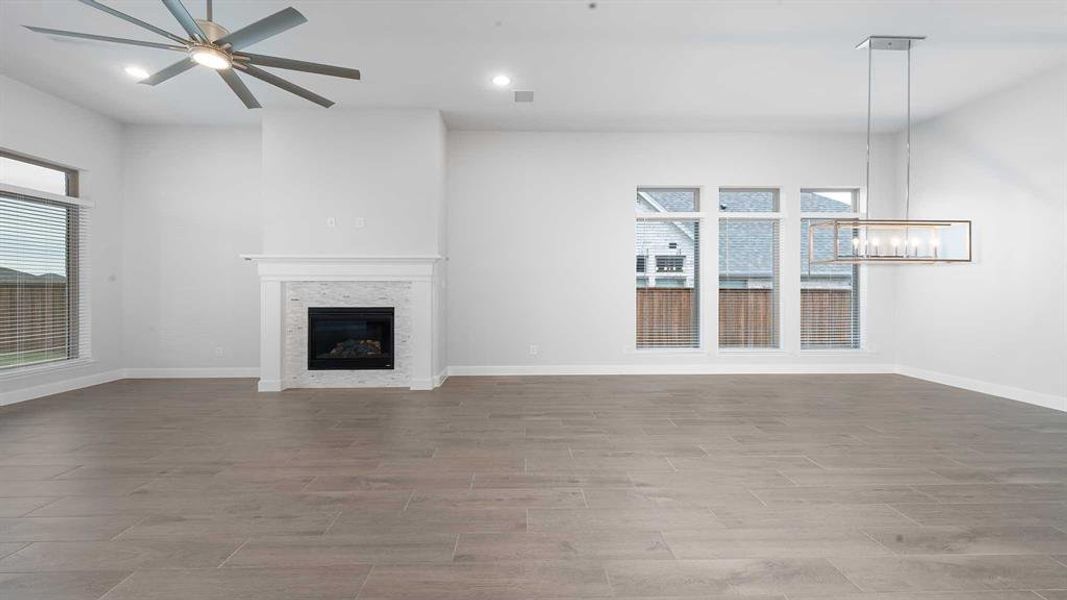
350,338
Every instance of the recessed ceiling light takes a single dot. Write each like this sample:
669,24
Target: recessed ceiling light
501,81
211,57
136,72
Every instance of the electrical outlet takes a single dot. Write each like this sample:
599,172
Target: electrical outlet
534,350
331,222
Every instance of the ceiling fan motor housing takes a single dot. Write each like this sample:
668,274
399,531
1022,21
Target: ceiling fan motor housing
213,30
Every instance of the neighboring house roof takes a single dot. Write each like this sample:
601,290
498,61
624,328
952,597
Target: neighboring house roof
11,276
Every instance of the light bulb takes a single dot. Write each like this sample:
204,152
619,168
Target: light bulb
211,57
501,80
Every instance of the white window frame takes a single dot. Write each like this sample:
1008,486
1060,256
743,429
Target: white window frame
860,212
700,217
77,200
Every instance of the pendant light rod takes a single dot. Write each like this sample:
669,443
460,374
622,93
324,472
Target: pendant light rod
209,11
889,42
907,177
870,78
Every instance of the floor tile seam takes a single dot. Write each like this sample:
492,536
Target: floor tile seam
234,553
846,577
901,513
333,521
114,587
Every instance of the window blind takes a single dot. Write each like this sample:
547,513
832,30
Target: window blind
829,293
748,268
43,306
667,299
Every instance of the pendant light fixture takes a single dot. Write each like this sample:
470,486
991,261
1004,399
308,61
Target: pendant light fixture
898,241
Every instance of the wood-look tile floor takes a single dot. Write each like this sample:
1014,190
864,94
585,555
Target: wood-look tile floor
859,487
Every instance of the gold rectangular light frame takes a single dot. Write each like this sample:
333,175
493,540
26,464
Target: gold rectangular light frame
907,249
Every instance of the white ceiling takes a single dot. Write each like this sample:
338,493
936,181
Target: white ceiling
626,65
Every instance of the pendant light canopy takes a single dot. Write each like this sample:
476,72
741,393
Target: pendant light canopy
899,241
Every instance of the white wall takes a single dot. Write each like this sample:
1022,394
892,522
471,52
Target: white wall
385,167
541,245
40,125
192,204
998,324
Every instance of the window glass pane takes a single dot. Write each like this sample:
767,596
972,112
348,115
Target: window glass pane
748,283
828,200
829,295
32,176
748,200
661,200
35,296
667,292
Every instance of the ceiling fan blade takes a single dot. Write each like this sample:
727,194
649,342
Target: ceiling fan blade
177,68
264,28
134,20
299,65
286,85
239,88
104,38
186,20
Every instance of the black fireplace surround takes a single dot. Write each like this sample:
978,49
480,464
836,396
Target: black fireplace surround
350,338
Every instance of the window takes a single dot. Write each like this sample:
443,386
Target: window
42,303
749,226
670,264
668,302
829,294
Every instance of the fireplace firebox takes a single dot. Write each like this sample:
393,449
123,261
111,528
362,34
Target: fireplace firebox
350,338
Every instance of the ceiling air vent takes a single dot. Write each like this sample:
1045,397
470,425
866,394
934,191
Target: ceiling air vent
524,96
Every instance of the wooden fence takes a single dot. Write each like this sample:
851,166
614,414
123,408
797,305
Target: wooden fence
827,315
665,317
34,314
746,317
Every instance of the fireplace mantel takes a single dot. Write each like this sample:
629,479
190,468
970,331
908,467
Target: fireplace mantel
276,271
336,267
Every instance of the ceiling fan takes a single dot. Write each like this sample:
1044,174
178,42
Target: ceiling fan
213,46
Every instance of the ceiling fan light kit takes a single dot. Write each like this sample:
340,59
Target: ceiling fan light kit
213,46
896,241
211,57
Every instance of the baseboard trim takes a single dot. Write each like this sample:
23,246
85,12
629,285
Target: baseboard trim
269,385
58,387
994,389
440,378
421,384
192,373
685,369
1012,393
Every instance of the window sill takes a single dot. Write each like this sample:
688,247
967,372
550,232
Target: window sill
669,351
834,351
44,368
751,351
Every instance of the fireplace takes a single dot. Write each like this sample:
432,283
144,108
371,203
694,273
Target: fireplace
350,338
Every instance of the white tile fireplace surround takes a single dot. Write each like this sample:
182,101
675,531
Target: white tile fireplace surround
289,285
